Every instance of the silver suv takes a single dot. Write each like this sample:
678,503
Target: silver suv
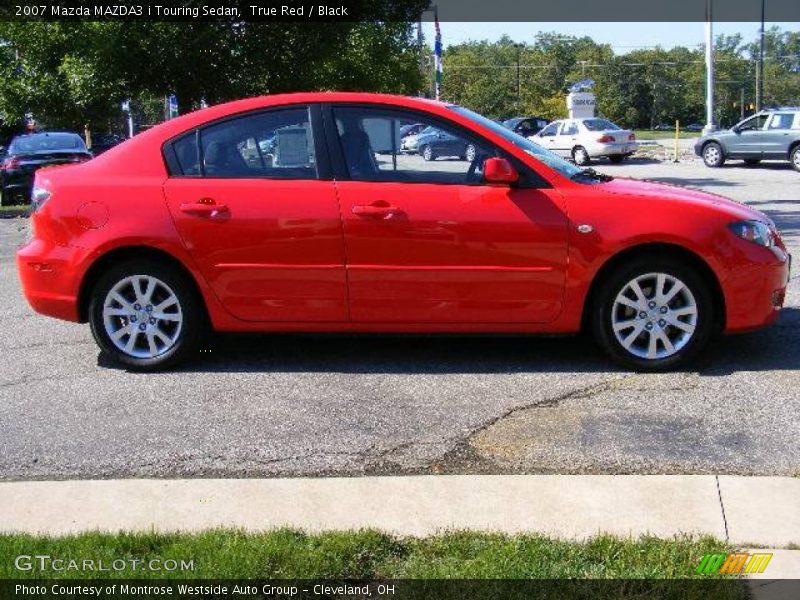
768,135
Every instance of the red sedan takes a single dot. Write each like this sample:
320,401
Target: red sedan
300,213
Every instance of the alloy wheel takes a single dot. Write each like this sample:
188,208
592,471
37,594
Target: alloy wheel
654,316
142,316
711,155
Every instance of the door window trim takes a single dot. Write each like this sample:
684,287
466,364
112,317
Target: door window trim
321,155
528,177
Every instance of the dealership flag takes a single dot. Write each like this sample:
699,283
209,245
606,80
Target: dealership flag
437,53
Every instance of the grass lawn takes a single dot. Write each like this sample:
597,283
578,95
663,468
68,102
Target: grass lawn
651,134
365,554
14,210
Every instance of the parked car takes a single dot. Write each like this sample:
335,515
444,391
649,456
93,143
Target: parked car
174,231
409,135
663,127
104,141
434,143
526,126
585,139
28,153
692,127
767,135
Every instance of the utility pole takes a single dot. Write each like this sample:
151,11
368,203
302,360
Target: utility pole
519,82
760,63
709,70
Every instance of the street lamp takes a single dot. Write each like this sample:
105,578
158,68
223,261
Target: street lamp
709,70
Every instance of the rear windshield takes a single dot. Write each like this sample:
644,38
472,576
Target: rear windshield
45,142
599,125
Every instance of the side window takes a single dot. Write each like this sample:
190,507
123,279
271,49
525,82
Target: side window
781,121
187,154
550,130
274,144
754,124
569,129
371,145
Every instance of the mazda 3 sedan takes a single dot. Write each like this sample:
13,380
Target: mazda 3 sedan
299,213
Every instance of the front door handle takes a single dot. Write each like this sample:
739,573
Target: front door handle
205,207
371,210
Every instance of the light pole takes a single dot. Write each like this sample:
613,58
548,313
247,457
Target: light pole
760,63
519,48
709,70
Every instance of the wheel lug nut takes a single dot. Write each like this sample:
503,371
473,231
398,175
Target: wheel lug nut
142,327
152,321
133,319
661,322
148,308
664,310
649,326
642,315
137,307
651,304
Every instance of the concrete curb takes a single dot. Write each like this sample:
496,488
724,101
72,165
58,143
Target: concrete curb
758,511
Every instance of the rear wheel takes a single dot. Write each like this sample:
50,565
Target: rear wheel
794,158
580,156
469,153
713,156
653,314
427,153
146,316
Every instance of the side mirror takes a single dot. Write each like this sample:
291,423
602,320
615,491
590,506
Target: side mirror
499,170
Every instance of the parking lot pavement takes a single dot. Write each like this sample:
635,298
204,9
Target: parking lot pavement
304,405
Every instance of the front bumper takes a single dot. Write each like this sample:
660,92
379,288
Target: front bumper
50,277
755,292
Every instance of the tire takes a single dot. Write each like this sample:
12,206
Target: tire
639,352
181,327
794,158
469,152
752,162
713,156
427,153
580,156
616,158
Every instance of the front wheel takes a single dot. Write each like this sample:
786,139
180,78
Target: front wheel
653,314
713,156
580,156
470,152
146,316
794,158
427,153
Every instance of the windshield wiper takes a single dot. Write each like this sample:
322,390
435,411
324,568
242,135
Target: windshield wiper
590,173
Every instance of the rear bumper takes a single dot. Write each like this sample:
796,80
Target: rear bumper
612,149
49,277
755,293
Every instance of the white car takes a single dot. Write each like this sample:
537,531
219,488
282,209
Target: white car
585,139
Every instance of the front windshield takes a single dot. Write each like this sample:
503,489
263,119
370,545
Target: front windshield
565,168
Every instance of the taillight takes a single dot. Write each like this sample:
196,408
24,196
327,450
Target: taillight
632,137
606,139
10,164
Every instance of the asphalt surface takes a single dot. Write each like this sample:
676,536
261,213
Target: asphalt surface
309,405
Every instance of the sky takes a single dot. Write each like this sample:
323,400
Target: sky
622,36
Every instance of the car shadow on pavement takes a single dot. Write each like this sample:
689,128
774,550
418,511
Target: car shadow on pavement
772,349
695,182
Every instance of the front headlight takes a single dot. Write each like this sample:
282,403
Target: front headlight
753,231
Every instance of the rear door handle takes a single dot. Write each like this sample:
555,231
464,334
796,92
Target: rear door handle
382,210
204,208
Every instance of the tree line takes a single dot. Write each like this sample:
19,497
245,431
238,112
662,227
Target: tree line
640,88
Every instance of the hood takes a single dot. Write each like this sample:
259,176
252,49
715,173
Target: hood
678,194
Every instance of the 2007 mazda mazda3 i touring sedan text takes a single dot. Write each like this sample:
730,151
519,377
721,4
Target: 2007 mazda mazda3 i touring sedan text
300,213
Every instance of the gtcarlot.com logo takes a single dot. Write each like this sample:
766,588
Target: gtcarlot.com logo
734,563
44,562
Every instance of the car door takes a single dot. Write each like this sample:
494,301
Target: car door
777,136
567,138
746,138
258,212
547,137
429,242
